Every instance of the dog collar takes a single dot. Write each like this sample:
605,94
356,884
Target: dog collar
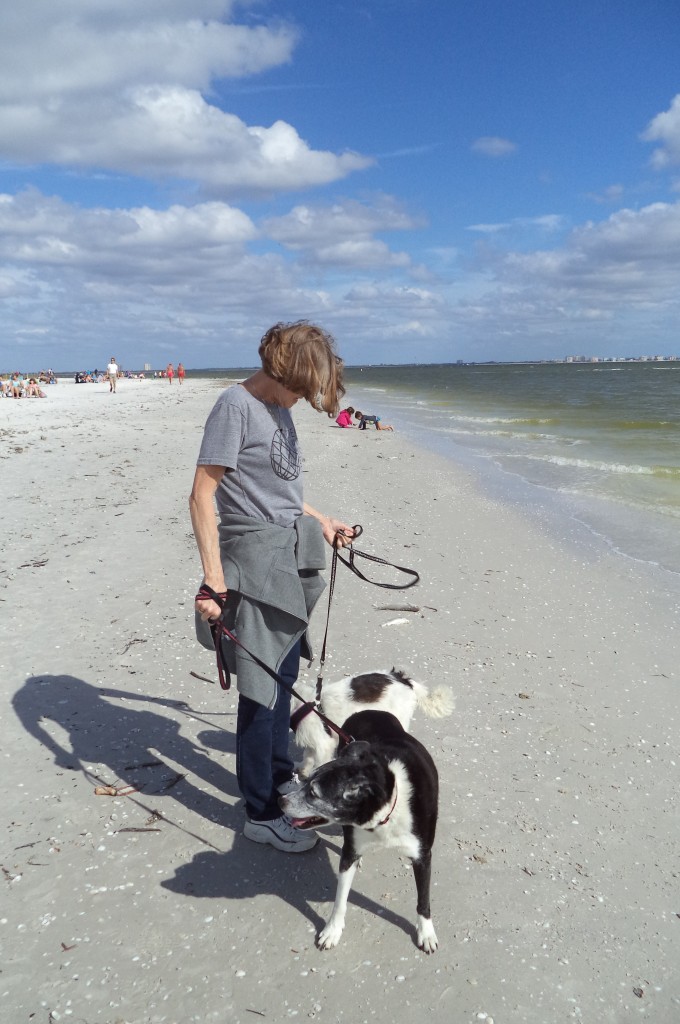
389,813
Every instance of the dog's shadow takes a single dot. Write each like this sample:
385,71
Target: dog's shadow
247,871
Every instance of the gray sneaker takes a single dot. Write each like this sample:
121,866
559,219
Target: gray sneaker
280,834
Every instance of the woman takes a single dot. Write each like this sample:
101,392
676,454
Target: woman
265,559
33,389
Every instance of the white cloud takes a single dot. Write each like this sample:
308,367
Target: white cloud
343,233
545,222
490,229
51,52
611,270
94,86
492,145
36,230
665,128
610,194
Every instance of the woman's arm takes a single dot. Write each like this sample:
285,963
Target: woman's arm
331,527
202,509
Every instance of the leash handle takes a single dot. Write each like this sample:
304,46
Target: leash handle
349,562
355,553
206,593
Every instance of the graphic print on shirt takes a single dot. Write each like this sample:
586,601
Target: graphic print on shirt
285,454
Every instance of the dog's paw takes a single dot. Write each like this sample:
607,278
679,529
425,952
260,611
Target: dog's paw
426,935
329,935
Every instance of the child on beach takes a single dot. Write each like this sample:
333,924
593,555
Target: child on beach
345,417
364,420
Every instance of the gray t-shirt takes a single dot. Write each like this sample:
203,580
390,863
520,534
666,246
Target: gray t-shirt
257,444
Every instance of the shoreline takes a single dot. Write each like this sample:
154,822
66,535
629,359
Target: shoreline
642,535
554,882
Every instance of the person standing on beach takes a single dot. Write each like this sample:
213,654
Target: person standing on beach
112,374
169,372
264,561
180,372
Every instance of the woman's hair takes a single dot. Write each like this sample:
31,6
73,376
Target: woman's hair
302,357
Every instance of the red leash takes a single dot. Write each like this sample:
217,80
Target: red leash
219,632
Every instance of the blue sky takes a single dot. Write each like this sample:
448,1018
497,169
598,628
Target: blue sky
431,180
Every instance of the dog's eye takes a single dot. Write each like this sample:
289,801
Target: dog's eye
314,792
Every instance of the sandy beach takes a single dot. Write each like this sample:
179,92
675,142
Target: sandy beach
556,868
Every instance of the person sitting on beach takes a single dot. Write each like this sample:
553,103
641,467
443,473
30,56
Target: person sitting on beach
364,420
33,389
345,417
17,383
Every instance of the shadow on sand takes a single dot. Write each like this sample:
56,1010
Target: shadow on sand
132,735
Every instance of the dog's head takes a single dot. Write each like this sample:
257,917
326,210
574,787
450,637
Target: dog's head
347,791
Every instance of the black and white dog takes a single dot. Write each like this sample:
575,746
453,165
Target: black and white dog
381,691
383,789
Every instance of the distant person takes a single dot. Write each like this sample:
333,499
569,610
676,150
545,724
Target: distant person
112,374
345,417
364,420
180,372
33,389
169,372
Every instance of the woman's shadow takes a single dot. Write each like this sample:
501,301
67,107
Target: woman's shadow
131,735
108,726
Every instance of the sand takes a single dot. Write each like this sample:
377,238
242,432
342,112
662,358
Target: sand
555,889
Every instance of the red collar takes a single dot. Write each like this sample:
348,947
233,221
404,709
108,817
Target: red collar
389,813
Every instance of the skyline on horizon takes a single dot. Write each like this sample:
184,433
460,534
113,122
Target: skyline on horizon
176,178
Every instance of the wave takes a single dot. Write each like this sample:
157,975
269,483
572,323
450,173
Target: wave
530,421
662,472
645,425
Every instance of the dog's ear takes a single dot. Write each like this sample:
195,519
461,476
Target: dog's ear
358,788
356,750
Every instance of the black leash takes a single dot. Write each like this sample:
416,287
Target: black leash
219,630
349,562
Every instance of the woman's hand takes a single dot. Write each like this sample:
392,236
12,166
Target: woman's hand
332,527
208,610
337,532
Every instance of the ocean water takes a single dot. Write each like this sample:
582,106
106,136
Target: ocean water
598,443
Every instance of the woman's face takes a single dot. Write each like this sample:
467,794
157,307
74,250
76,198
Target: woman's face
287,398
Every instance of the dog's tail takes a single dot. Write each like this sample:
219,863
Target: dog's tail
437,703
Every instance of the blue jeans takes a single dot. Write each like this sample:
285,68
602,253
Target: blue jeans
262,758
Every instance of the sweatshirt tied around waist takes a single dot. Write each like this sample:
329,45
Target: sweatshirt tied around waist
273,579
